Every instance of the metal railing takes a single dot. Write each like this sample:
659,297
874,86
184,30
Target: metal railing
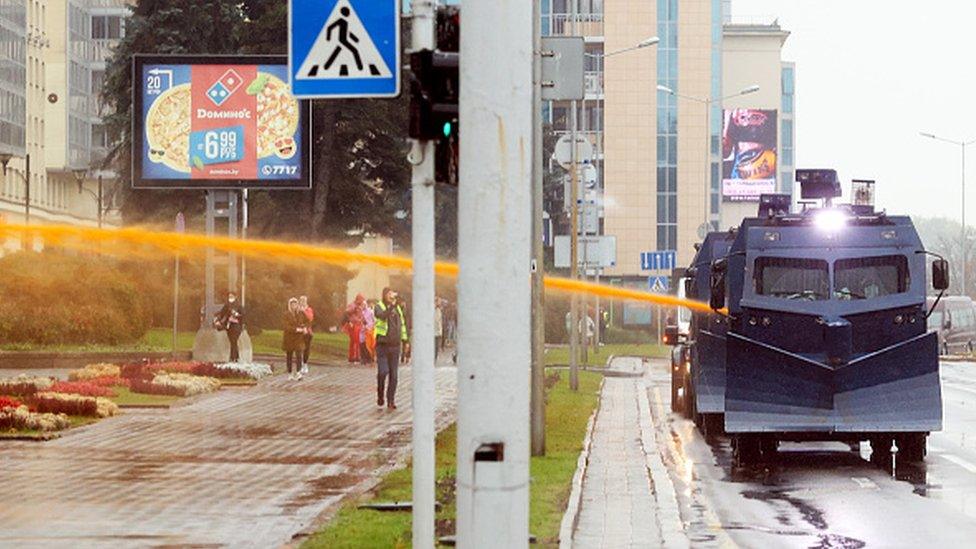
587,24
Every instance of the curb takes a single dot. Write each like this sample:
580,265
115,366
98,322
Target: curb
571,516
669,514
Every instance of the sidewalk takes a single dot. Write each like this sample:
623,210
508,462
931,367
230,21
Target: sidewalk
619,506
240,468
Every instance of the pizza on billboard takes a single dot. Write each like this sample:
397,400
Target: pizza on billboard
233,124
749,152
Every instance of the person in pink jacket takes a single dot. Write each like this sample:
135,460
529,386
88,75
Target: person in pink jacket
309,313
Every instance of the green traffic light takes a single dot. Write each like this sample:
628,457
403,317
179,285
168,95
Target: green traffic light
448,129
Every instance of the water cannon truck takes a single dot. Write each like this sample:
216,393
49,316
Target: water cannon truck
818,329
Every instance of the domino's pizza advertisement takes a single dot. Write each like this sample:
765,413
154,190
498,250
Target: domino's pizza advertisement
220,122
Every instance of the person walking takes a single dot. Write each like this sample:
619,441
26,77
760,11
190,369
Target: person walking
438,328
368,351
230,319
353,324
309,313
293,338
389,331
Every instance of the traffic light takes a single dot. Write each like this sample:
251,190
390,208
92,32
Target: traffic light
434,94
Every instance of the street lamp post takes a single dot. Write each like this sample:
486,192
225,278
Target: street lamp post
962,242
707,103
5,159
80,175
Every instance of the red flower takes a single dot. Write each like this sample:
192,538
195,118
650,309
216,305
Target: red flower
9,402
83,388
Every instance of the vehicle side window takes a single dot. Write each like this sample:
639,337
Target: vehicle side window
870,277
935,320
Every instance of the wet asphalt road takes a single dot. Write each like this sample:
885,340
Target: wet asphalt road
823,495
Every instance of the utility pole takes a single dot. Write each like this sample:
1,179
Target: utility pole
538,400
424,394
495,290
574,319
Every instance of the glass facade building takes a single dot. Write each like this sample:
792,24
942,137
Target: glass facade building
787,128
13,77
667,126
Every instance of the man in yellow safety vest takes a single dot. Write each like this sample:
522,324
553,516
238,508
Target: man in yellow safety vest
390,329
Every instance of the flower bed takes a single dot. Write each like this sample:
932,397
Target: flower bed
24,385
75,405
93,371
83,388
252,370
9,402
186,384
20,418
147,387
108,381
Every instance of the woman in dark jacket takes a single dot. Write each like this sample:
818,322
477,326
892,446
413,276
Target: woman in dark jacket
293,339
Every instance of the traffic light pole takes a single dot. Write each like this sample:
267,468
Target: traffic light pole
422,157
494,287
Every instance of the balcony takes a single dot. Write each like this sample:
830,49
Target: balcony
593,81
587,24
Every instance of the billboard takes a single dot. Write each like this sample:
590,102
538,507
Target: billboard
749,154
217,123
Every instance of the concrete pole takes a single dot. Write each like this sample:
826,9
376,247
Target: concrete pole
424,396
538,404
574,318
494,287
965,247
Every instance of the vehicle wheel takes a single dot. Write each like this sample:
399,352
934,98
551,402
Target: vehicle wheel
912,447
881,450
712,425
746,450
969,347
769,447
688,399
675,393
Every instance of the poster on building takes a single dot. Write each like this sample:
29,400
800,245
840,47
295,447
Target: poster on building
749,154
217,122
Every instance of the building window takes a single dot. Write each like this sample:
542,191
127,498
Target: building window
107,27
667,126
100,138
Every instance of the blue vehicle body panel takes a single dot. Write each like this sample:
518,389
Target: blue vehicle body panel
892,390
708,349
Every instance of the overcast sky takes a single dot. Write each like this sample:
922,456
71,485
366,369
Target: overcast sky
871,74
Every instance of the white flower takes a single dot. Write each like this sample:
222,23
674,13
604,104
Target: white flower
253,370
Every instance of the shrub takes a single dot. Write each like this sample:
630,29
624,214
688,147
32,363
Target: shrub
94,371
106,305
9,402
24,385
135,370
22,418
82,388
74,405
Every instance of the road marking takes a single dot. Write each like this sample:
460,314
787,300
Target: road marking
965,464
865,482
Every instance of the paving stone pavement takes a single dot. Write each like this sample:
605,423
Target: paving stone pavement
618,508
240,468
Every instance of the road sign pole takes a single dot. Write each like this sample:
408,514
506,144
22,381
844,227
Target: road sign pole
494,288
574,318
424,394
538,404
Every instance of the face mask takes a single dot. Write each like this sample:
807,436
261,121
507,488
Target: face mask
231,300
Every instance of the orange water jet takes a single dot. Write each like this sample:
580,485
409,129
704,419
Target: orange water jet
191,244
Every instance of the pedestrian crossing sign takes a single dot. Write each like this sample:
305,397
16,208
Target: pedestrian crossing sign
344,48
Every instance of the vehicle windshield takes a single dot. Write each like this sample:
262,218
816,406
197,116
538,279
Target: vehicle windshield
791,278
870,277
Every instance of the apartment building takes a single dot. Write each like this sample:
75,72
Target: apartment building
658,122
52,62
